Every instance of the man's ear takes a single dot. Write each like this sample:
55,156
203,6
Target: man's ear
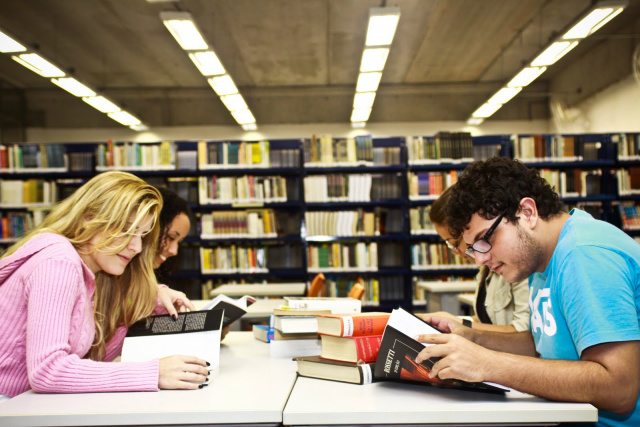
528,212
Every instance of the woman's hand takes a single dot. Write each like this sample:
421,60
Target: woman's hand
174,301
182,373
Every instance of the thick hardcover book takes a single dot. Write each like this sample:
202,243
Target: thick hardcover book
351,349
396,358
263,332
352,325
296,324
195,333
233,309
335,370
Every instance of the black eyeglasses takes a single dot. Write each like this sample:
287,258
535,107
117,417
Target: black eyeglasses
482,245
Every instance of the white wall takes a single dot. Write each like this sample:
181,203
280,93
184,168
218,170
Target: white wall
281,131
615,109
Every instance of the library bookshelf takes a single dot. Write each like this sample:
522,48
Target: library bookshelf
353,209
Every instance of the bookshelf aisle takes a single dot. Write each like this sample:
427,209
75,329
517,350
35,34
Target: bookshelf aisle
354,209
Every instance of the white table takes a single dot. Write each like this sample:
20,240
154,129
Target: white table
442,296
316,402
251,390
260,290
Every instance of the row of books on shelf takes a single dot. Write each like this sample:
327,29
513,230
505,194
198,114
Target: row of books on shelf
628,145
629,215
420,221
242,189
574,183
28,192
325,151
342,223
233,259
435,255
430,185
628,181
442,148
340,257
547,148
136,156
233,154
259,223
351,188
47,157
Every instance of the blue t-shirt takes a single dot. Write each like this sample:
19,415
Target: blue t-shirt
589,294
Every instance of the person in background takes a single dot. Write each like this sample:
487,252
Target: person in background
73,281
584,280
500,306
175,223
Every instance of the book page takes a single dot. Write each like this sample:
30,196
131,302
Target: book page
410,324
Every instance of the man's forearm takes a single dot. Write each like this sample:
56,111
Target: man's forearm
515,343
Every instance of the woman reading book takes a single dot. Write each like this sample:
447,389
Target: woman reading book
72,282
500,306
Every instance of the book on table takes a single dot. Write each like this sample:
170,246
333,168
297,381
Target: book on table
357,324
194,333
290,348
398,350
233,308
263,332
297,321
351,349
335,370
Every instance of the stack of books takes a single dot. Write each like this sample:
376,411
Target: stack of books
349,347
295,333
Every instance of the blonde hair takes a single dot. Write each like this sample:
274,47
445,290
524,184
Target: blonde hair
111,204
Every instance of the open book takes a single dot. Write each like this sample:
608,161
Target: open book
398,351
233,308
195,333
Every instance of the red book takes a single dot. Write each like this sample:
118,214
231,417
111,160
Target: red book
351,349
353,325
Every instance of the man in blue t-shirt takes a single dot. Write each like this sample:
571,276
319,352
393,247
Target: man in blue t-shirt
584,296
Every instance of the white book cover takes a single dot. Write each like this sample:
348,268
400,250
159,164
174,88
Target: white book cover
336,305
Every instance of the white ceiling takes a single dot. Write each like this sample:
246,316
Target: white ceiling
296,61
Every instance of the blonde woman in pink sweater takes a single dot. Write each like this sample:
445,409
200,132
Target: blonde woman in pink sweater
77,281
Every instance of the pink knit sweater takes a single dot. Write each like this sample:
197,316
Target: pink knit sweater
47,327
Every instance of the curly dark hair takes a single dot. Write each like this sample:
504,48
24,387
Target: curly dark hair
496,186
172,206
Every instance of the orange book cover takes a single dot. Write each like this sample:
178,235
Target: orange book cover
362,349
353,325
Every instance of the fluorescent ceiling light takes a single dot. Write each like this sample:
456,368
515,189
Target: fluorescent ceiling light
486,110
184,30
249,126
234,102
101,104
593,21
553,53
207,62
368,82
9,45
364,100
526,76
382,26
360,114
73,86
124,118
475,121
504,95
374,59
139,128
39,65
243,117
358,125
223,85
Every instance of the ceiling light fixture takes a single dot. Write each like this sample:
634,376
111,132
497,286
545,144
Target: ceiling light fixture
73,86
9,45
36,63
184,29
381,29
595,18
124,118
